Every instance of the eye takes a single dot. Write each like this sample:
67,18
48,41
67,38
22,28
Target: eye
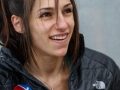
46,14
68,10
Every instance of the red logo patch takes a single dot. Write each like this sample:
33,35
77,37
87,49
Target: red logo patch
22,87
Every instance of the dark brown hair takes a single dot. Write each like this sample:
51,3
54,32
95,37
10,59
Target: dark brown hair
75,40
20,44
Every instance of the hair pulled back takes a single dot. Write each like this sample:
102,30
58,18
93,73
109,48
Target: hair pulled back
20,44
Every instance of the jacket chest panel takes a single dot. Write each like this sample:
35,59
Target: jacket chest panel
91,79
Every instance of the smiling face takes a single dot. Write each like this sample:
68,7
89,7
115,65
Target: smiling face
51,31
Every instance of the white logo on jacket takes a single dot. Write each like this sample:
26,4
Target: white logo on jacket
99,85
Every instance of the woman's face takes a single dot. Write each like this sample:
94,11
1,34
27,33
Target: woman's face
51,35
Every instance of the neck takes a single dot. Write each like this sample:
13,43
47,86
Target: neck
47,66
51,71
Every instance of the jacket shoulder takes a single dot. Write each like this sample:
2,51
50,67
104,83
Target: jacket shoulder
7,77
103,65
101,59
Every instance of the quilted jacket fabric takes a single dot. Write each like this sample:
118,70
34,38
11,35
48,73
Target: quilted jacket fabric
91,71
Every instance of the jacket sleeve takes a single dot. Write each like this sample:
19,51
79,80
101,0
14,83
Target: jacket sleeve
116,81
7,80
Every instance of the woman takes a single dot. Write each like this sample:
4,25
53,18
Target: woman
41,49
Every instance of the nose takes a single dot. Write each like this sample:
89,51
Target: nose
61,23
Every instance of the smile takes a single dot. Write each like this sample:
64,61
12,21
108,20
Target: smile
62,37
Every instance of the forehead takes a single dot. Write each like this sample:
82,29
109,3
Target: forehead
50,3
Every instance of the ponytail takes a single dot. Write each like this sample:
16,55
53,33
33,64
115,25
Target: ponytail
19,44
4,30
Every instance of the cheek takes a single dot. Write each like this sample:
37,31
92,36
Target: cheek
71,23
39,28
71,20
47,25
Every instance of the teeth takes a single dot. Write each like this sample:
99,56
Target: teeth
58,37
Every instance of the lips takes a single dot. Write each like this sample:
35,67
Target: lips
58,37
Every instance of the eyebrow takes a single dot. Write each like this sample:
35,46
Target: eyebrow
51,8
67,5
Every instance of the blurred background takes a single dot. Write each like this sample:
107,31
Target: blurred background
100,25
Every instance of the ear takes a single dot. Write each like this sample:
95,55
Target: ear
17,23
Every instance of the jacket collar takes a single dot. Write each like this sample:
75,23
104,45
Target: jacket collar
14,65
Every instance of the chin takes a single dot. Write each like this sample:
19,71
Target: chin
61,53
